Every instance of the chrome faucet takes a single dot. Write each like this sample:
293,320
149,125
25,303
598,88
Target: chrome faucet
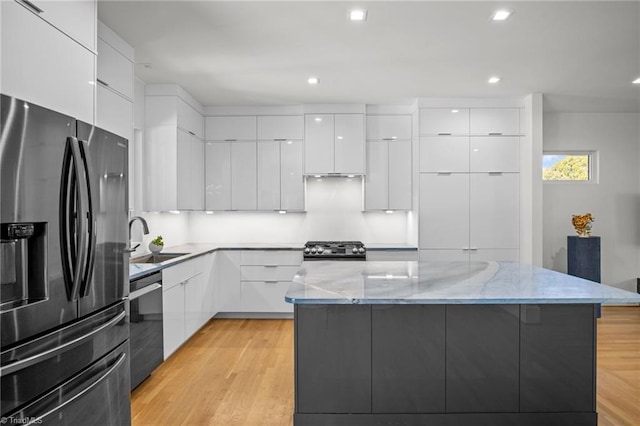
145,230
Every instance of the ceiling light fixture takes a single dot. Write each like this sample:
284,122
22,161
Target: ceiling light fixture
636,81
313,80
501,15
358,15
494,80
454,111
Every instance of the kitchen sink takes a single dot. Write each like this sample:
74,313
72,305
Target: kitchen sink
156,258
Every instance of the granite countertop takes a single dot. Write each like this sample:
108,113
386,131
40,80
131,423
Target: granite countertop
327,282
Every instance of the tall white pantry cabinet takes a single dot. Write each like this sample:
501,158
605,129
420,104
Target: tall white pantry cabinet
469,183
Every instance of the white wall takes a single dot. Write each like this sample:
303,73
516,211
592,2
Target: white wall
614,201
334,212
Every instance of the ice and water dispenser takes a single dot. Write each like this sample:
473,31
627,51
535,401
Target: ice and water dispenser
23,271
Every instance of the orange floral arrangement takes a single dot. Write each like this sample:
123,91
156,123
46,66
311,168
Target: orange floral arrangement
582,223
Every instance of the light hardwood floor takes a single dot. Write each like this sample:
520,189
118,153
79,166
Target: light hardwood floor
240,372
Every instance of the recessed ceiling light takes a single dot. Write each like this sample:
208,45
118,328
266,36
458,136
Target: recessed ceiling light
636,81
501,15
358,15
494,80
313,80
455,111
318,119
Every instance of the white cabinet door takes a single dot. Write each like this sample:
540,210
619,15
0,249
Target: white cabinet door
495,121
495,154
265,296
291,175
376,184
184,172
495,212
228,280
400,175
230,128
388,127
349,143
268,175
114,113
173,325
197,174
487,255
75,18
444,121
114,70
160,154
444,211
193,296
281,127
244,185
451,255
210,298
189,119
218,176
444,154
42,65
319,150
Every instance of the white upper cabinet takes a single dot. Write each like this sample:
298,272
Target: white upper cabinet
190,173
291,175
444,154
400,175
189,119
334,143
349,143
495,121
218,176
114,113
268,178
230,128
114,69
444,121
495,154
388,127
319,146
41,64
376,194
280,127
75,18
244,184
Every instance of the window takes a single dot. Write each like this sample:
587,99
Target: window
570,166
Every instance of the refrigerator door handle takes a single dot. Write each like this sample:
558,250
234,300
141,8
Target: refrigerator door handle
73,218
35,359
87,274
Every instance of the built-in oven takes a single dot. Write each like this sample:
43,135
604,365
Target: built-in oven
145,322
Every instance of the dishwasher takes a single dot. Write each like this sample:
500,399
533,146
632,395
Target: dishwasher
145,324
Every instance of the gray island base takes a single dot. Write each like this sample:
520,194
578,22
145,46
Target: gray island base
377,344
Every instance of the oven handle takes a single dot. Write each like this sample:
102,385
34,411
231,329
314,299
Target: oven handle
144,290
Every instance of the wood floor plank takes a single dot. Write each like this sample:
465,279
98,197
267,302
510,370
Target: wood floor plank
240,373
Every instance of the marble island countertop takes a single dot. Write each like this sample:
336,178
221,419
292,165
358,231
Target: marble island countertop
327,282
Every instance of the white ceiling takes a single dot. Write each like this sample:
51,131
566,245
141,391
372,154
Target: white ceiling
582,55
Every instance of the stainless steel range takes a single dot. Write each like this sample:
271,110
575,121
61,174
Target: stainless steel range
334,250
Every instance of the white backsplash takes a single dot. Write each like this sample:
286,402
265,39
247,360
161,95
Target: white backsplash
334,212
174,229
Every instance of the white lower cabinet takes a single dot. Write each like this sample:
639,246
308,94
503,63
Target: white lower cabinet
392,255
256,281
185,305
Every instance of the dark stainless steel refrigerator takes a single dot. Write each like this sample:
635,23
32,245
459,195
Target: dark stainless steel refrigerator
64,339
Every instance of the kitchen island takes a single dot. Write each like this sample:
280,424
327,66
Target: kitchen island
445,343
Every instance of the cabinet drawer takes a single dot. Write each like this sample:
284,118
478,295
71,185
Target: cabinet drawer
260,296
181,272
447,121
392,255
271,257
267,273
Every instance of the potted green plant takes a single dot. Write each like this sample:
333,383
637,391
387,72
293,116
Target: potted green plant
156,245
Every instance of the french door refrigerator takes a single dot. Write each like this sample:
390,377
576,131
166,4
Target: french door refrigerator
64,339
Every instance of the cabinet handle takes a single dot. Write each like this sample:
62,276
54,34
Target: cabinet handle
444,134
32,6
469,248
230,140
271,282
444,173
495,134
104,83
191,133
270,266
495,173
279,140
390,139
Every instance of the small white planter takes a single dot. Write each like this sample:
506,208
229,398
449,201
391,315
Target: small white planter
154,248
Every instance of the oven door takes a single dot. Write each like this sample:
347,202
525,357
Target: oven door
145,322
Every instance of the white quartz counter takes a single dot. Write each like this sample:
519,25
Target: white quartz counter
331,282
